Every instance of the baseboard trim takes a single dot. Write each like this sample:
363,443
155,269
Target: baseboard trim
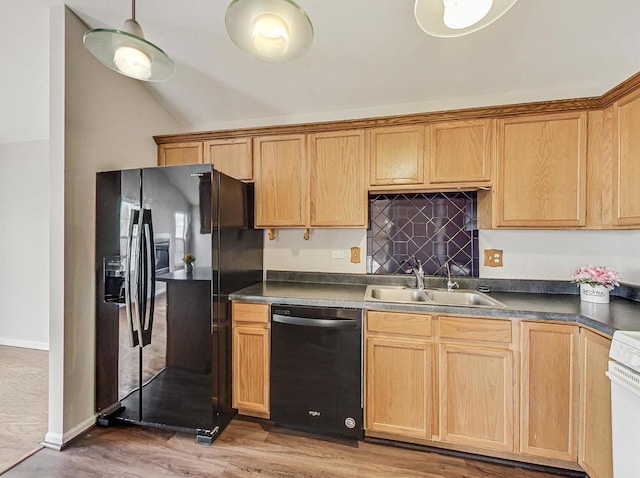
25,344
56,441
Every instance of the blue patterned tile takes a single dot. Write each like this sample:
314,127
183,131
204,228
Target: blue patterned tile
433,227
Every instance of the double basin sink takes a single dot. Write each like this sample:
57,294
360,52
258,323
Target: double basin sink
407,295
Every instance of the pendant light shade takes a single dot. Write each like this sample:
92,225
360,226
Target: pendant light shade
126,51
454,18
270,30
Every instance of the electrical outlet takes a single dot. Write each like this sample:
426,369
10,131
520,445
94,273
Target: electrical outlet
493,257
355,255
337,254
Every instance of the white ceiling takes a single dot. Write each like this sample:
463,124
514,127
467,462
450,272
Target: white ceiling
368,58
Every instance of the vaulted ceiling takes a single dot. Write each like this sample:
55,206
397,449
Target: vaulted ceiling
368,58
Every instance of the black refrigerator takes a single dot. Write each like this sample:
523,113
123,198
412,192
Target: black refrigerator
163,327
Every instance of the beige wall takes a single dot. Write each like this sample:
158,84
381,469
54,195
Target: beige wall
529,254
290,252
555,254
104,121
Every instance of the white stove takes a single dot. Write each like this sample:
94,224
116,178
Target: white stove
624,372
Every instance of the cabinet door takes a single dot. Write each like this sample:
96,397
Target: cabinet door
250,365
549,398
595,454
626,194
542,171
477,396
175,154
460,152
338,179
233,157
281,181
399,378
396,156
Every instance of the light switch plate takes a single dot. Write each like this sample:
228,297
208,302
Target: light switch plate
355,255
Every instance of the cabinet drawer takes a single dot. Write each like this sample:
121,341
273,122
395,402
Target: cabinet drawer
250,312
475,329
399,323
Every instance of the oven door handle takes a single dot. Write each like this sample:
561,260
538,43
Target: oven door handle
309,322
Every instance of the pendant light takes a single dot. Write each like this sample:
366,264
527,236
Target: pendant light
270,30
127,52
454,18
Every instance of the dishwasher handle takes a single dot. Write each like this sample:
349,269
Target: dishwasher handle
309,322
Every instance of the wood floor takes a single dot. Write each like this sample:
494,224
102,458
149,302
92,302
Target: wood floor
23,402
245,449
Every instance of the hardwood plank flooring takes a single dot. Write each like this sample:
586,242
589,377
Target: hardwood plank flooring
245,449
23,402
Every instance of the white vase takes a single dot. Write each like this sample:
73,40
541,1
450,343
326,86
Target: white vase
594,293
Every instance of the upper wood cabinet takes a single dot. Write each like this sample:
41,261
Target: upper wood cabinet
541,171
459,152
595,447
317,180
174,154
626,160
443,155
549,395
233,157
281,181
396,156
338,187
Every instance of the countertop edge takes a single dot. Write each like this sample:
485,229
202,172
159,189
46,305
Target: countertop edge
254,294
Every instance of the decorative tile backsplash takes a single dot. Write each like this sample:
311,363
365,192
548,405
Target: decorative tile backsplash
434,227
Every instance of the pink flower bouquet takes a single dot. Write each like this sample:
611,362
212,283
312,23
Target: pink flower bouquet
596,275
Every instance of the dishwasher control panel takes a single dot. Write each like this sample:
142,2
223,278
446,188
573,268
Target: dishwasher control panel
625,349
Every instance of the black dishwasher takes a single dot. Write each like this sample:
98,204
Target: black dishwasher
316,369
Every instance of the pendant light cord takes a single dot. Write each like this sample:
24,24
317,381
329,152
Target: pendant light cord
133,10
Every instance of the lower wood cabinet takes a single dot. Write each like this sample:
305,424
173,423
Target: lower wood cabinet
477,382
549,392
399,374
251,358
595,448
399,385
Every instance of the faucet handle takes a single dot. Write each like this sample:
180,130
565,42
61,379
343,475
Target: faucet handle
452,285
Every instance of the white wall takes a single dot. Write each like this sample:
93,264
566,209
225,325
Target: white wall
555,254
99,121
24,244
289,251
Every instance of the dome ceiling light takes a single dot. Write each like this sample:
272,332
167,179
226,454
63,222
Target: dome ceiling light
270,30
127,52
454,18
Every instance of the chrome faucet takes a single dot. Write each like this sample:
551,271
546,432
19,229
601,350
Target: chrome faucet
419,273
450,285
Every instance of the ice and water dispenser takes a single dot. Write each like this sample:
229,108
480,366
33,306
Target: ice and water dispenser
114,272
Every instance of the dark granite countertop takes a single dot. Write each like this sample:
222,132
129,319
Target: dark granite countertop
620,314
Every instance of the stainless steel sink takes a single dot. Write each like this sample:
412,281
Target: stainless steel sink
469,298
407,295
396,294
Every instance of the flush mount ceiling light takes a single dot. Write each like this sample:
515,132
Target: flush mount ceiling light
270,30
127,52
454,18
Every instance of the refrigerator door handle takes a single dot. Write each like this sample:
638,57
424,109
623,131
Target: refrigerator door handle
131,282
150,279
